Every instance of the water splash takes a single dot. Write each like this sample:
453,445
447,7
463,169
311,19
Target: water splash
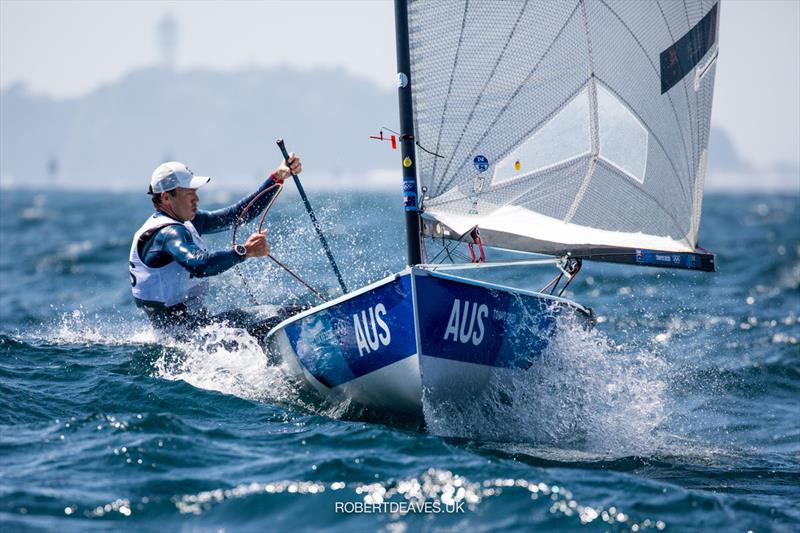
79,327
226,360
586,391
217,358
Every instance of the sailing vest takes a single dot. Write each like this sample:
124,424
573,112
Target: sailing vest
170,284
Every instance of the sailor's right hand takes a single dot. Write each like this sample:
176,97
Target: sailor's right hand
257,245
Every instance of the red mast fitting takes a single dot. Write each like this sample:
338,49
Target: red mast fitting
476,237
392,138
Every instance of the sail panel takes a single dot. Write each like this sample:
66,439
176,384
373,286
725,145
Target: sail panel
620,248
501,229
680,58
566,136
547,120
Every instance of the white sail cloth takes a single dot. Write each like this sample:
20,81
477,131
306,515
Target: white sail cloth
545,122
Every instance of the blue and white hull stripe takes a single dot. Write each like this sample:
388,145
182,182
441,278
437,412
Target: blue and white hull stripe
366,345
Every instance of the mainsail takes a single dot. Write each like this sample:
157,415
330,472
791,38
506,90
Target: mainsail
574,127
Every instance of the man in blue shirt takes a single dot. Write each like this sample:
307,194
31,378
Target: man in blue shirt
168,258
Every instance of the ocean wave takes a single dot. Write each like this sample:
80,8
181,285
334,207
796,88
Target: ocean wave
585,391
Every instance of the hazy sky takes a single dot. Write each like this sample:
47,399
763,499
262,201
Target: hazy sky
66,48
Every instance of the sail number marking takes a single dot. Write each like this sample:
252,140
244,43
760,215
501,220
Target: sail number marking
466,322
371,329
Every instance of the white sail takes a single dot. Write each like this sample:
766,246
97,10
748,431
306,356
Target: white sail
563,126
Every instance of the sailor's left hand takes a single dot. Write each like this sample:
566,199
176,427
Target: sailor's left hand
284,171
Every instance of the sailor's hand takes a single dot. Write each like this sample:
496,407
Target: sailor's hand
284,171
257,245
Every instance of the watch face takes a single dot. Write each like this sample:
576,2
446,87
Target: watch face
240,249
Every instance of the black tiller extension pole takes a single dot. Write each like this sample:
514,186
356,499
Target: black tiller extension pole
314,219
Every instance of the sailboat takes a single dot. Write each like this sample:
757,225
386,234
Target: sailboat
577,130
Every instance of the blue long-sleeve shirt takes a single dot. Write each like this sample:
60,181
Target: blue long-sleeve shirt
175,243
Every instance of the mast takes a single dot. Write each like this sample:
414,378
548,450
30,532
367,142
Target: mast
407,148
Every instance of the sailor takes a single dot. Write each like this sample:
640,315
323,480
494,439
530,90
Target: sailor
168,258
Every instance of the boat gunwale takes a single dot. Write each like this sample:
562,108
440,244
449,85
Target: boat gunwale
506,288
338,300
416,270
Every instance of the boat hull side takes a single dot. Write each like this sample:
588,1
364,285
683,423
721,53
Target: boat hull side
416,335
476,337
362,347
473,322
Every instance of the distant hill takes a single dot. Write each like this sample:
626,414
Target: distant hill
220,124
728,170
722,155
224,124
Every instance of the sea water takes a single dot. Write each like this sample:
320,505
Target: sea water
678,411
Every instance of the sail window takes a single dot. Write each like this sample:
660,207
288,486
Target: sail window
623,138
564,137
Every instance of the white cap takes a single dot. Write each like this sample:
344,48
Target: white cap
172,175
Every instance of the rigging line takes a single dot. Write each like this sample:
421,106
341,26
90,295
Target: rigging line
238,221
455,249
235,228
450,85
510,99
466,266
246,286
416,142
298,278
572,272
460,255
551,282
457,242
443,250
658,74
442,264
449,255
280,264
434,154
446,248
486,84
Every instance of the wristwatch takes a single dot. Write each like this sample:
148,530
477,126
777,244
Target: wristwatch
240,250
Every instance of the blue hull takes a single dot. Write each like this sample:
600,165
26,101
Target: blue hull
382,345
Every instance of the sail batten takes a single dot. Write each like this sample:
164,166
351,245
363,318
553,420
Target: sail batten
579,124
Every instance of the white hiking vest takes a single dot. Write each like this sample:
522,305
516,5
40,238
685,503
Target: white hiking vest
171,283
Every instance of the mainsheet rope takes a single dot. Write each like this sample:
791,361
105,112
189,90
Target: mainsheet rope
278,187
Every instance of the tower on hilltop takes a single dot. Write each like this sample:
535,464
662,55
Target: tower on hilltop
168,40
